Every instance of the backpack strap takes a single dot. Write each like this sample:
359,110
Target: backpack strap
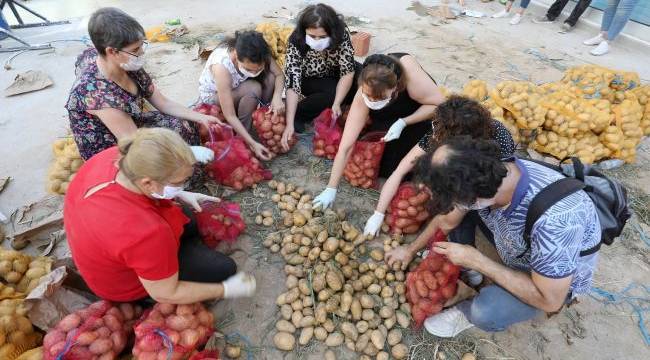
543,201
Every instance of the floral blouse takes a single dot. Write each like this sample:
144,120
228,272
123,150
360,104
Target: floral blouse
331,62
92,91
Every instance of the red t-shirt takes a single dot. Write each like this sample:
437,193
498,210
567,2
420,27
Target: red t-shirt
116,235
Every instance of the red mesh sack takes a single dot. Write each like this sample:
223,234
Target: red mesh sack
99,331
206,355
362,168
431,284
172,332
220,221
208,109
327,135
269,128
407,210
344,118
234,164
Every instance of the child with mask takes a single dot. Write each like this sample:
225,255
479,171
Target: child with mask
400,98
238,76
320,67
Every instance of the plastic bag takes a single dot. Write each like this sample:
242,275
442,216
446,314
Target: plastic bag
362,168
269,128
16,331
206,355
99,331
327,135
208,109
407,210
234,164
220,221
431,284
172,332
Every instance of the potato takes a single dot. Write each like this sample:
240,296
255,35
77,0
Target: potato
346,301
291,296
334,339
291,282
377,254
320,333
378,338
356,309
305,335
368,314
367,302
380,273
296,318
394,337
386,291
13,277
296,259
276,198
325,255
374,289
324,294
371,349
400,289
268,221
468,356
331,245
307,321
259,219
284,341
303,286
333,280
286,311
275,248
5,267
367,280
349,330
399,351
297,305
382,355
329,325
390,322
332,304
386,311
341,258
318,282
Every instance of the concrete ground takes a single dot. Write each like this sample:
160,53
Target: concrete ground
453,53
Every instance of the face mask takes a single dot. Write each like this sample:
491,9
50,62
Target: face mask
169,192
135,63
249,74
318,45
375,105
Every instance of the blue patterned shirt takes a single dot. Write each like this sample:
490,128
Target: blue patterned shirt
557,237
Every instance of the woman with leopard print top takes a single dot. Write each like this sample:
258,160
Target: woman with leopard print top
319,68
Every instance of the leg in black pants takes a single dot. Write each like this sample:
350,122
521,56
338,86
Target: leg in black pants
556,9
199,263
319,95
465,233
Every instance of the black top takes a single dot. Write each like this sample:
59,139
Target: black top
501,135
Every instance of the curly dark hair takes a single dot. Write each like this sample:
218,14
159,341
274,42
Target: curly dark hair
471,169
315,16
460,115
250,45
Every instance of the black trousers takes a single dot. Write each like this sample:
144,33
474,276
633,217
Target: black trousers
319,95
199,263
556,9
465,233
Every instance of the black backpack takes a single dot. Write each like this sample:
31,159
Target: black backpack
609,197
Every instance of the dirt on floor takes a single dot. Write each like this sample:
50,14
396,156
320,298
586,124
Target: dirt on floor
591,329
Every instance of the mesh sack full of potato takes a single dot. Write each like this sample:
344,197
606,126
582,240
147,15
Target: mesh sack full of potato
643,97
569,115
277,37
22,272
65,165
17,334
523,100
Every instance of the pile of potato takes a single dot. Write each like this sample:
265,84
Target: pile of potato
22,272
476,90
17,334
523,100
643,96
277,36
333,295
67,162
269,129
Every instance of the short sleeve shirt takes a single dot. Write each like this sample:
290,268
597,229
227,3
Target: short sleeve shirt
207,83
328,63
501,135
117,236
92,91
557,237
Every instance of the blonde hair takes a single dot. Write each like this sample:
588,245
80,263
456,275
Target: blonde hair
156,153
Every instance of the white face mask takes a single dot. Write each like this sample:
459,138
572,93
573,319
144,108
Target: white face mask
169,192
247,73
135,63
375,105
318,45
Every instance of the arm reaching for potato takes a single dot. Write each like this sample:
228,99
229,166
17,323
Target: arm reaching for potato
174,291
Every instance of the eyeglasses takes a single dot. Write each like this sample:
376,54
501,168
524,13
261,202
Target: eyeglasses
143,48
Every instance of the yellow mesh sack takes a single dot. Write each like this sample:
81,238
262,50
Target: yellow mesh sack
523,100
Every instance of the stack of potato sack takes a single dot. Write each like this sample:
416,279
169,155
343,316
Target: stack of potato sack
17,334
277,36
67,162
523,100
643,96
335,293
22,272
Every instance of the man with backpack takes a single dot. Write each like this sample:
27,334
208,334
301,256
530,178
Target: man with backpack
547,241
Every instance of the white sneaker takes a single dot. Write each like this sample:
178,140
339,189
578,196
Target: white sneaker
601,49
501,14
448,323
474,278
516,19
594,40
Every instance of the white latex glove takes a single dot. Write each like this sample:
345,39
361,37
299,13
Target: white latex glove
194,199
373,225
395,130
325,199
239,285
202,154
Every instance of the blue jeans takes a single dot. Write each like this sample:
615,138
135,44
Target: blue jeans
4,25
523,4
494,309
616,15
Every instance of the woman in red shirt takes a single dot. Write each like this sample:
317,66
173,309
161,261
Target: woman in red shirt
130,240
